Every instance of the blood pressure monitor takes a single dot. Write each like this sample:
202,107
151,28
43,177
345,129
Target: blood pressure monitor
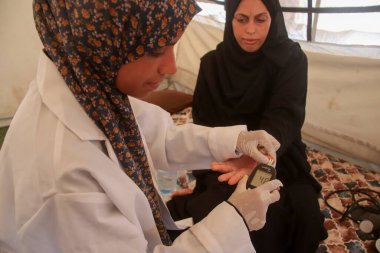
260,175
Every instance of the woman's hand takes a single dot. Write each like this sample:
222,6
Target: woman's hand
234,169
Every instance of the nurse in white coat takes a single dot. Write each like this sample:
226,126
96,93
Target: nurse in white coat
75,167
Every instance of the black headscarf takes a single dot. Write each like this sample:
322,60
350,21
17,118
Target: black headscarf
89,41
276,46
237,87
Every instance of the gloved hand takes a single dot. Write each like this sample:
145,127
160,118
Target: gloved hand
258,145
253,203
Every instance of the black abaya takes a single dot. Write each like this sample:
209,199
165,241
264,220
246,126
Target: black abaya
263,90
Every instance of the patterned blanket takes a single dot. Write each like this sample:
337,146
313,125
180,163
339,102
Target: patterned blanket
336,174
333,174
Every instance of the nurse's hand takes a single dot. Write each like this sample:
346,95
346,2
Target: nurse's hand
252,204
259,145
234,169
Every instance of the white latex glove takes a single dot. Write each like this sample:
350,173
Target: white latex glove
253,203
258,145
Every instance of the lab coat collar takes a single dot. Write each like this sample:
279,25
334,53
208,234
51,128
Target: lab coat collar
59,99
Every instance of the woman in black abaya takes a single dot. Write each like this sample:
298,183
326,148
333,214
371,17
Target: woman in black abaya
258,77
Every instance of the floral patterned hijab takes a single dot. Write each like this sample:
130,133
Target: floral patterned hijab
89,41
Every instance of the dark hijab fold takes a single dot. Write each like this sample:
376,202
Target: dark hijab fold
237,80
277,47
89,41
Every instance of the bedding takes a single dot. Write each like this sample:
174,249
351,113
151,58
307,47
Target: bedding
333,174
337,174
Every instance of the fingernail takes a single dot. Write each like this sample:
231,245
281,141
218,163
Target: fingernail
277,183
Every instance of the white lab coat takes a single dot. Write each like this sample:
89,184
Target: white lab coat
62,189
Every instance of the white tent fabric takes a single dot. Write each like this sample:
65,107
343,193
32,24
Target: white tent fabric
19,50
343,105
344,91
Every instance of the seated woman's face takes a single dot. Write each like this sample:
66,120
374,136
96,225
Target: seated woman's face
251,24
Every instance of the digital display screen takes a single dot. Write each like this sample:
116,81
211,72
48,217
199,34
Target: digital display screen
260,178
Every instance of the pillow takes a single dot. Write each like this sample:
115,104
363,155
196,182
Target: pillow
170,100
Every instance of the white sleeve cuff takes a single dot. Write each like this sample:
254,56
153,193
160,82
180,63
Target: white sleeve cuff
223,140
223,230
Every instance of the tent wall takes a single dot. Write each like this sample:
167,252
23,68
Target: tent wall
19,50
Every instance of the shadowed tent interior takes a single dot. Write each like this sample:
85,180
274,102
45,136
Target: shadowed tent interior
3,131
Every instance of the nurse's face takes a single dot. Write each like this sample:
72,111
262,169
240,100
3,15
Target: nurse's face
251,24
144,75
